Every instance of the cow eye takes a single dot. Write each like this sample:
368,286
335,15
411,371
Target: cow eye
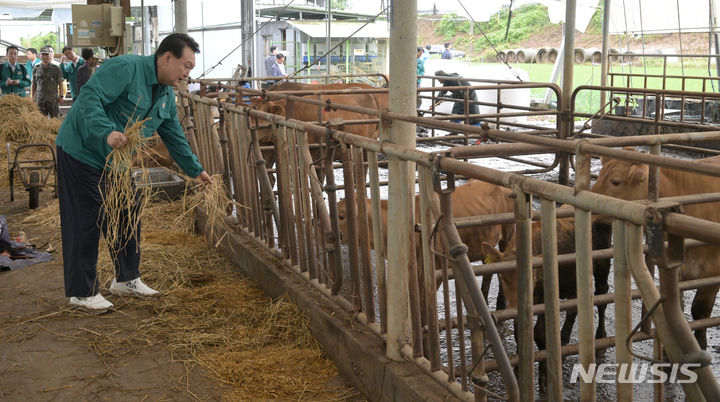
341,216
615,182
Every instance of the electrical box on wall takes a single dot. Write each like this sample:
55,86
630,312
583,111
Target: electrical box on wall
97,25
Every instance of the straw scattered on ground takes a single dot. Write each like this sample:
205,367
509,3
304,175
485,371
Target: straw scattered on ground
209,316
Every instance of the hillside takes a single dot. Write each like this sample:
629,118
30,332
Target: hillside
531,28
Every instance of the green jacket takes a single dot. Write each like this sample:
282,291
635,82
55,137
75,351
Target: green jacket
121,88
70,73
29,65
20,74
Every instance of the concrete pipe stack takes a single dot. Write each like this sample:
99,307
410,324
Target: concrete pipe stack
526,55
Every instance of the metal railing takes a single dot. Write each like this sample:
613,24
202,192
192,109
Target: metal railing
298,225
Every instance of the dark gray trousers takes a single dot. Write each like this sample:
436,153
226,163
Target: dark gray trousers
81,221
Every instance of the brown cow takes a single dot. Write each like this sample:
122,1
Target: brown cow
471,199
629,181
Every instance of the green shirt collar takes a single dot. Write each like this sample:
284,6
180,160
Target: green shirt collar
151,70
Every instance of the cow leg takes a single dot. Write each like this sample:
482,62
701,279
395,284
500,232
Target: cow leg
485,287
702,308
567,327
501,302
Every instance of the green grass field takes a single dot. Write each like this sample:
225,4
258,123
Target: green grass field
587,74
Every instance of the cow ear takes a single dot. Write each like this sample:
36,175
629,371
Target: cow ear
639,174
491,253
277,109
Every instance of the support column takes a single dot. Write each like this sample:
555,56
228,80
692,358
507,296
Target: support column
403,39
181,16
604,64
567,86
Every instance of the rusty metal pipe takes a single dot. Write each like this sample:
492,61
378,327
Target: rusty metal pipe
651,297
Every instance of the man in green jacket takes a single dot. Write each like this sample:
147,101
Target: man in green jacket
69,69
122,88
33,60
14,77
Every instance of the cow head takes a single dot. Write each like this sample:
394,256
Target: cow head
622,179
265,134
508,280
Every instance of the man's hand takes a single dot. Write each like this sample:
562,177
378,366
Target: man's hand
117,139
204,177
8,81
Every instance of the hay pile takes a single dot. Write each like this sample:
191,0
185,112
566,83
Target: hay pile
22,122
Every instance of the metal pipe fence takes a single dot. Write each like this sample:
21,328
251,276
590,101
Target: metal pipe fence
336,238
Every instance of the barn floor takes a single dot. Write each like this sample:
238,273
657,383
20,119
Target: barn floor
165,349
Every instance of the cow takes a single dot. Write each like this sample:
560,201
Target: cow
629,181
471,199
567,285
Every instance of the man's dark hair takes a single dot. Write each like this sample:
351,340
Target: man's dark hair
66,48
273,48
175,44
32,50
279,56
447,45
86,53
420,49
7,50
427,47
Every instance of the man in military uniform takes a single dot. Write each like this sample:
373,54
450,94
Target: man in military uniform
122,89
13,76
69,70
47,86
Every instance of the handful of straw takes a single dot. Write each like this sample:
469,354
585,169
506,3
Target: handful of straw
123,202
215,201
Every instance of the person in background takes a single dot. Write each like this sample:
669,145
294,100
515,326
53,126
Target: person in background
47,88
69,70
33,60
86,70
14,78
123,88
454,80
269,63
420,71
426,54
447,54
278,69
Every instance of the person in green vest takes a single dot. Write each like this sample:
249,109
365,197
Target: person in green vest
122,89
33,60
14,77
69,69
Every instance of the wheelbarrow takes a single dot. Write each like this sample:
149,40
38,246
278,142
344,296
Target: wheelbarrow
33,173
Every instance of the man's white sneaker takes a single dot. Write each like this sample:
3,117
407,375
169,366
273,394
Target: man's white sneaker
96,304
135,286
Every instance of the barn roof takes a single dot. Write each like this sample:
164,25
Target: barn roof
341,29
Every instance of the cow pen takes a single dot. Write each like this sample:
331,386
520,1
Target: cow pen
291,210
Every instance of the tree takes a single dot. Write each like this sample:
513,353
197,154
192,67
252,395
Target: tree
40,40
339,4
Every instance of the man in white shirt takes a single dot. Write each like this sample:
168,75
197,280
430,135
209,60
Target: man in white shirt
278,69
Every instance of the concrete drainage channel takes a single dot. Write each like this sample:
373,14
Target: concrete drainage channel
358,354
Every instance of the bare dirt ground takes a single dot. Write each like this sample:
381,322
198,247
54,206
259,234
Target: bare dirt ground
151,349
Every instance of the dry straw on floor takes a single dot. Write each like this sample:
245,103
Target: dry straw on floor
209,317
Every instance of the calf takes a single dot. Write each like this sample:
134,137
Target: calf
471,199
629,181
